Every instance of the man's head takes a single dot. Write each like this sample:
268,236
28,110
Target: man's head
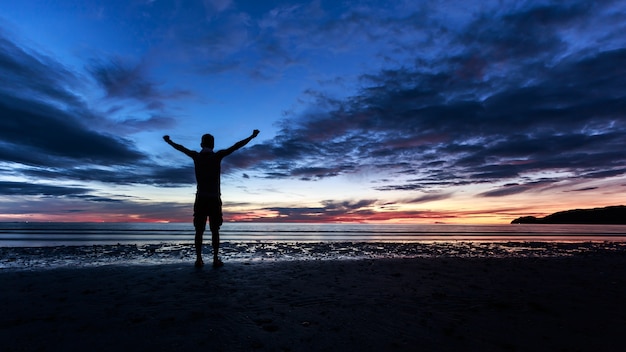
207,141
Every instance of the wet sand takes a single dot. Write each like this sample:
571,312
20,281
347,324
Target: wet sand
571,302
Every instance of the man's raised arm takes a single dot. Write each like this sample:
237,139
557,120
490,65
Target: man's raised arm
177,146
242,142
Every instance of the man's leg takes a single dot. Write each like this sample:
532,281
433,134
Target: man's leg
215,221
215,243
199,222
198,245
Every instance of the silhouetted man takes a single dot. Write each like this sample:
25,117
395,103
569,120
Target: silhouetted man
208,202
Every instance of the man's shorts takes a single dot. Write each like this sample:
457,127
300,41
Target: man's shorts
210,207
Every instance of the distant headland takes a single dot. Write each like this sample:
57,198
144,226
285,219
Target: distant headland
613,215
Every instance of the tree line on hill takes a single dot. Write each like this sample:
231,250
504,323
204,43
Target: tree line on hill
613,215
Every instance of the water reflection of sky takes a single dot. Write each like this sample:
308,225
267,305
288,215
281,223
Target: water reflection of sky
55,234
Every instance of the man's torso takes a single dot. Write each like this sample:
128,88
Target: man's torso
208,168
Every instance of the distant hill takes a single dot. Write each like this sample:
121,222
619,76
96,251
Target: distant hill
614,215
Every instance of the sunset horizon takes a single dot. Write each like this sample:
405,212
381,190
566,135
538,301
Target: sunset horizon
427,218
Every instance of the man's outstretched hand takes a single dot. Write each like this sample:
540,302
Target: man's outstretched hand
254,133
167,139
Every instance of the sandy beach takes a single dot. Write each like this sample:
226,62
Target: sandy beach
443,302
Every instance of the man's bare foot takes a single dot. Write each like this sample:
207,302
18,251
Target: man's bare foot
218,263
199,263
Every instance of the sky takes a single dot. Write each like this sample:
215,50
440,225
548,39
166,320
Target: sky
464,112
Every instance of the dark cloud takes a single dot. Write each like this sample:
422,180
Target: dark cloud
430,198
40,134
288,35
133,125
600,174
8,188
584,189
402,187
329,211
297,213
531,33
130,81
533,103
347,206
33,76
43,123
25,189
147,174
121,80
65,203
516,188
50,129
312,173
363,210
506,191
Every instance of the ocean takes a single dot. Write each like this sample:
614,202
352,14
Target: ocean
41,234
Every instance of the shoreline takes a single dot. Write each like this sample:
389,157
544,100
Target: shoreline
36,258
443,302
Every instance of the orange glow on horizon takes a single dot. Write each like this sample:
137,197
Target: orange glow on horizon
463,216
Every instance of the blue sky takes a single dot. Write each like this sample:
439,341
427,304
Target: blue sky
405,111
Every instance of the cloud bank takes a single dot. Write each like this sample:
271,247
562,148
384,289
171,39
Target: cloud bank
514,99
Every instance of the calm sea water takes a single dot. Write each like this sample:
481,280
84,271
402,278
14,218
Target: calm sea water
55,234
